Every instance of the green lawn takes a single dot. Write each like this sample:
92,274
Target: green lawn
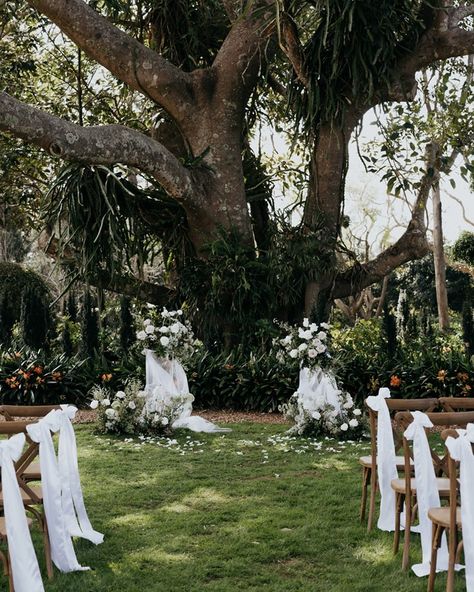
251,510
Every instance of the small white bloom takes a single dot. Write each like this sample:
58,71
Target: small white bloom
165,314
316,415
294,353
165,421
132,405
110,413
353,423
120,395
325,326
307,334
357,412
147,322
305,322
105,402
179,312
313,327
302,347
175,327
164,341
321,348
94,404
344,427
141,335
164,329
149,329
150,306
321,335
312,353
116,405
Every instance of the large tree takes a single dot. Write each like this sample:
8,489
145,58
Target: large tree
343,58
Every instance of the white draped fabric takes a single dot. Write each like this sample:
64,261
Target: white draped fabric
24,564
75,513
62,550
386,459
318,388
426,492
166,380
461,449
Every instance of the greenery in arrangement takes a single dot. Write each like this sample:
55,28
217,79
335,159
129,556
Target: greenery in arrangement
253,510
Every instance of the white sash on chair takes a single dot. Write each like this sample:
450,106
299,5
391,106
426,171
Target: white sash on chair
23,561
427,494
386,459
72,499
62,550
461,449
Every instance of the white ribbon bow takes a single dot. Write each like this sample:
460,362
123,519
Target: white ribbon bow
426,492
386,459
23,561
460,449
62,550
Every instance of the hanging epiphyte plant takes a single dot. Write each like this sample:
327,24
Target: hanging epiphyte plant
350,54
104,223
25,299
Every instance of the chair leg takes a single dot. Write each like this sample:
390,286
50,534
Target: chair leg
435,543
365,483
452,560
396,534
373,493
47,549
406,539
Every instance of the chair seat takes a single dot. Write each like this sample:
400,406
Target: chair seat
26,497
398,485
3,527
33,472
441,516
366,461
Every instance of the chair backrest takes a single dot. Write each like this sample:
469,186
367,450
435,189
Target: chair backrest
440,419
394,406
11,412
9,428
457,403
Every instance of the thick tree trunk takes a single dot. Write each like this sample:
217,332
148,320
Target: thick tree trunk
439,261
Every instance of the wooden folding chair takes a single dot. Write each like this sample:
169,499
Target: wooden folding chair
32,495
454,404
447,519
405,489
21,412
369,463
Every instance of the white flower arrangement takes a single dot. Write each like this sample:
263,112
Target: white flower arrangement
132,412
316,417
307,343
168,335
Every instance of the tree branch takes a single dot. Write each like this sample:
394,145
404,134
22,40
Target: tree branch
411,245
458,14
109,144
138,66
291,46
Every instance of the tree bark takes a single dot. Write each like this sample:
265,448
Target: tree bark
439,261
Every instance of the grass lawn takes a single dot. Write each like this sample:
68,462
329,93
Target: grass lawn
250,510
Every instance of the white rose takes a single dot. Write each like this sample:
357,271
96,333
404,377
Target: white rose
179,312
321,348
344,427
307,334
294,353
141,335
165,421
312,353
147,322
172,313
348,405
110,413
353,423
305,322
150,306
164,341
357,412
120,395
132,405
165,314
105,402
321,335
163,329
149,329
303,347
313,327
325,326
316,415
94,404
175,328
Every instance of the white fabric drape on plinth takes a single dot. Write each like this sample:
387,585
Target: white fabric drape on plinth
318,388
386,459
74,509
62,550
427,494
461,449
23,561
166,380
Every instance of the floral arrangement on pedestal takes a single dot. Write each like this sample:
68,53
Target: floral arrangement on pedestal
168,335
318,407
129,412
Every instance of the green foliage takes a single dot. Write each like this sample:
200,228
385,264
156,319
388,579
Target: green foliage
24,298
463,248
350,53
